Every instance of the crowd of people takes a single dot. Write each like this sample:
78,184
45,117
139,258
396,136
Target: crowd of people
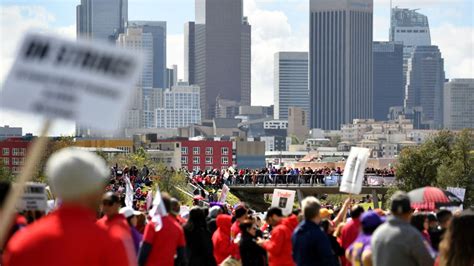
76,233
215,178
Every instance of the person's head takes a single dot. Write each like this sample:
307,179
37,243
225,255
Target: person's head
131,215
274,216
356,211
166,201
110,204
400,206
456,248
175,207
444,218
214,211
419,220
77,177
311,207
328,226
325,213
197,219
241,213
432,220
249,227
370,220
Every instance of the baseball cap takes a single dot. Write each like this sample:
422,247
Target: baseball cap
325,213
370,220
400,203
73,173
128,212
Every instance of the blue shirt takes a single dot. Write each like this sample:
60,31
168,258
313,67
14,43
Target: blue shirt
311,246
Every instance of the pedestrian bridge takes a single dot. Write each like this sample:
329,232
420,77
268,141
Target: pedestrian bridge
254,193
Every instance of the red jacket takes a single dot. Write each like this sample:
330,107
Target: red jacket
279,246
68,236
221,238
118,228
349,233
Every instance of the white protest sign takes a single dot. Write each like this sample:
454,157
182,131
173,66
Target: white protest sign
86,82
34,198
459,192
284,199
354,170
225,190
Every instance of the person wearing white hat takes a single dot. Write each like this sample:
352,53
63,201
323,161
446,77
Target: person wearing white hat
69,235
131,216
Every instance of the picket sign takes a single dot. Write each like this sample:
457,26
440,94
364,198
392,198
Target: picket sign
224,192
81,81
354,171
284,199
34,198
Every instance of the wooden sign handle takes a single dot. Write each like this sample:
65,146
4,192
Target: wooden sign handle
33,157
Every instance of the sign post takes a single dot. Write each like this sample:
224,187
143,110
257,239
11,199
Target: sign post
354,171
81,81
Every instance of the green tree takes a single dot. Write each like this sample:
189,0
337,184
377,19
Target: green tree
6,174
446,159
53,146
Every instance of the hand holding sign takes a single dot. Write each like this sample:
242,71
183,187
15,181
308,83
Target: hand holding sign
354,170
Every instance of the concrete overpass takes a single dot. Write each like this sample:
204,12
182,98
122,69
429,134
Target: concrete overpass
254,194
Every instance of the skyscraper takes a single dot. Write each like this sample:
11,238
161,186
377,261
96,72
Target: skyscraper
290,83
180,107
340,62
218,53
458,104
425,82
389,89
157,29
409,27
101,19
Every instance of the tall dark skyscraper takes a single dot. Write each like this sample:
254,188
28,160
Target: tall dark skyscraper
218,53
101,19
425,83
389,89
340,61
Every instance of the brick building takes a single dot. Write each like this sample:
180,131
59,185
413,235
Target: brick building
207,154
13,152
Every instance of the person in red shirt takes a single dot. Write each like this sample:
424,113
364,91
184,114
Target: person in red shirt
161,247
116,224
69,235
278,247
350,231
221,238
240,215
175,209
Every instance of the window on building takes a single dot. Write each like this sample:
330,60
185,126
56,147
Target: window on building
184,150
6,161
225,151
196,160
184,160
225,160
209,168
5,151
209,150
196,150
224,167
16,151
196,168
208,160
16,161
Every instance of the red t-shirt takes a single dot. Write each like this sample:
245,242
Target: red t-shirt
349,233
68,236
164,242
118,228
234,232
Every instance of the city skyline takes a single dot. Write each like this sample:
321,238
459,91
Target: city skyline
288,33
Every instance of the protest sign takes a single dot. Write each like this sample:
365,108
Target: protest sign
354,171
82,81
34,198
225,190
460,193
284,199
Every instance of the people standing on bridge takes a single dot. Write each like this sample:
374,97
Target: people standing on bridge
69,235
396,242
311,246
279,246
351,230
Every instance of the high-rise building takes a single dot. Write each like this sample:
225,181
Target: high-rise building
409,27
157,29
180,108
218,53
171,77
458,104
101,19
297,123
340,62
290,81
425,82
135,39
389,89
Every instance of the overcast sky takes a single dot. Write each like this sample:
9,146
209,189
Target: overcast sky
277,25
